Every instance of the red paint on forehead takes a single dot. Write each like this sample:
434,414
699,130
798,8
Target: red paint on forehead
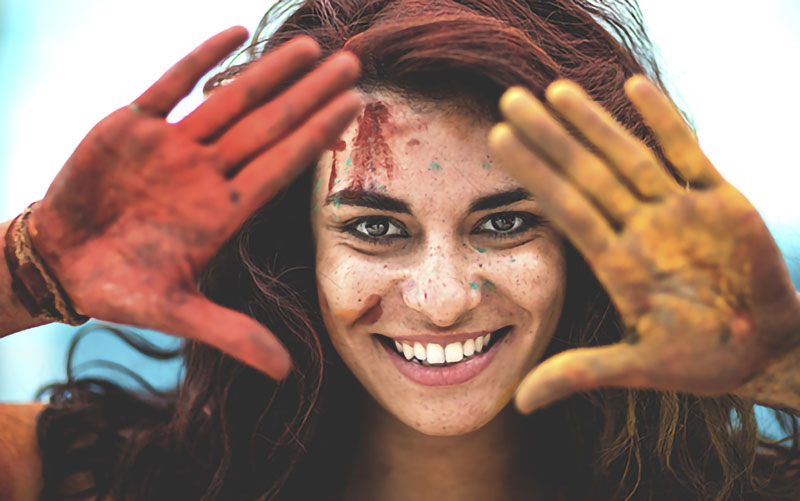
340,145
371,152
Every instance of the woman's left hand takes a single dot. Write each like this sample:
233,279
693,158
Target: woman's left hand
700,283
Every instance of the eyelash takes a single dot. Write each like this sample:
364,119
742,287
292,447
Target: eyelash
351,227
526,220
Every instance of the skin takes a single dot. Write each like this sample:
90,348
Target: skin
423,280
694,272
142,204
443,277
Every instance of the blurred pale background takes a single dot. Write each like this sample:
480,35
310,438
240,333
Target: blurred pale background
65,65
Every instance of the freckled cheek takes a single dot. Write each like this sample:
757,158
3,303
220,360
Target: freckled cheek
345,286
536,282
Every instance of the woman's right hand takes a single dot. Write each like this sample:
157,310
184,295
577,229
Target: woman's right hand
142,205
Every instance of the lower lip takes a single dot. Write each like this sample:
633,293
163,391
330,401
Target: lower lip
444,376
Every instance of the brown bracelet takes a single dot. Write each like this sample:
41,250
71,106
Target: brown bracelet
31,279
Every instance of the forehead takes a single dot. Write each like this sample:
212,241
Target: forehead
415,150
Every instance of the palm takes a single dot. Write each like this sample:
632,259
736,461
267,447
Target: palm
695,273
142,205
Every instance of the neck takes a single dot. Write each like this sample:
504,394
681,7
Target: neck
396,462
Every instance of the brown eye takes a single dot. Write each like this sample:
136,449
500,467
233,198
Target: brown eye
501,223
504,222
375,228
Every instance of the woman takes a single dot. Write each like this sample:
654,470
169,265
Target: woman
438,278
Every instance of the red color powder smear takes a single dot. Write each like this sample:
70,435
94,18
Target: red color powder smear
370,150
340,145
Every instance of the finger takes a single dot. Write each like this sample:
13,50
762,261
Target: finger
549,138
635,163
577,370
272,121
179,80
194,316
586,228
278,166
250,88
677,139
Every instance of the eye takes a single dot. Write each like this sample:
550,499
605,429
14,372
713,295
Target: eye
502,223
376,229
508,224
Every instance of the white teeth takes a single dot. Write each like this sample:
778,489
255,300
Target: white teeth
419,352
453,352
435,353
469,347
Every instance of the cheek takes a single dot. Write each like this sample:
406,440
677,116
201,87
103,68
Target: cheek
533,278
351,290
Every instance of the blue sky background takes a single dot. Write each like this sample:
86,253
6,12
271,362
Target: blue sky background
65,65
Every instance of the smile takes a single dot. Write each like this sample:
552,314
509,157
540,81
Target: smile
434,364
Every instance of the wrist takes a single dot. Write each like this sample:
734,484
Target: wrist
32,282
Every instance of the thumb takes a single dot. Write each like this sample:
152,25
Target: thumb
580,369
196,317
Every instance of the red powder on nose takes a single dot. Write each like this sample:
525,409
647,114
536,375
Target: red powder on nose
370,150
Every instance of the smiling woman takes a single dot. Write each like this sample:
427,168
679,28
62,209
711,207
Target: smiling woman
422,272
418,254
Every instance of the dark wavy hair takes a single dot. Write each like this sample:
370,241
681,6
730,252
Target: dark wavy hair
228,432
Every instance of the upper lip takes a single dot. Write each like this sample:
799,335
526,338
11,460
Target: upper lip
442,339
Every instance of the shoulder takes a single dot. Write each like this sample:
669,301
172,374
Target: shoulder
20,459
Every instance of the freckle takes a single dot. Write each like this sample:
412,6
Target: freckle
234,195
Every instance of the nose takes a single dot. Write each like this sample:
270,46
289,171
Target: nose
441,288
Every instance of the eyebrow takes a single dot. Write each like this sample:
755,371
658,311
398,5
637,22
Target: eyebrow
500,199
372,199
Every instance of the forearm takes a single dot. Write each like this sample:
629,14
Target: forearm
778,385
13,315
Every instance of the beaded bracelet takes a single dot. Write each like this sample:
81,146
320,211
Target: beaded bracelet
32,281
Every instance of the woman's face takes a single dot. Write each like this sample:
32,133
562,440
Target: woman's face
422,242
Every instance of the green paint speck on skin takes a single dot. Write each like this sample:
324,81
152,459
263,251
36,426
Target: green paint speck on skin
435,166
473,285
316,206
489,286
337,218
513,260
486,166
316,186
347,163
337,202
336,181
481,250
